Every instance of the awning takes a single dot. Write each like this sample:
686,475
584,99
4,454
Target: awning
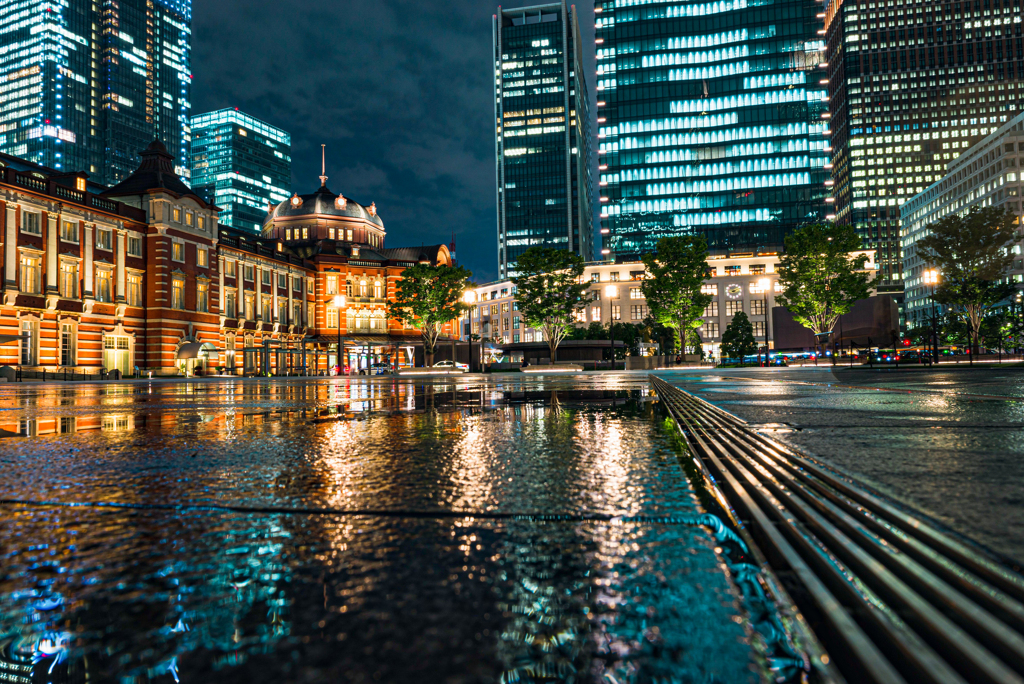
367,341
4,339
193,350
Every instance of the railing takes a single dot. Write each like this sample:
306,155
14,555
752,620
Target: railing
30,182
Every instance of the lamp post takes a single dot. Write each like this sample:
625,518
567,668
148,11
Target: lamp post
931,277
469,297
611,292
765,283
339,302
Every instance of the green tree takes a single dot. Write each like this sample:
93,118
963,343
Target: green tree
995,330
675,274
972,254
550,290
738,338
427,297
820,277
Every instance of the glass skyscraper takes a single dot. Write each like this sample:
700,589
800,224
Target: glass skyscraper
87,85
712,120
913,84
542,123
240,164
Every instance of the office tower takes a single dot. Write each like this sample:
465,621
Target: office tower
710,121
986,175
542,147
88,85
241,164
912,85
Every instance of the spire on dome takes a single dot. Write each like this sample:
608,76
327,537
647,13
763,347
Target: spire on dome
323,166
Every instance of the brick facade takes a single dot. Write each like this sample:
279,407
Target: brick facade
141,278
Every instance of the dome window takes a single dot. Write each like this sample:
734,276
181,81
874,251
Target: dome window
340,202
296,200
372,209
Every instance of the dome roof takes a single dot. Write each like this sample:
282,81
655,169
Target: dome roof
323,202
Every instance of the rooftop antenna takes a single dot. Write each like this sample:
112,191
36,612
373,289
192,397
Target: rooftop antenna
323,172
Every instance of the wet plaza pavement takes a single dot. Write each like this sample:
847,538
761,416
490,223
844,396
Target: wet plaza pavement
358,530
948,442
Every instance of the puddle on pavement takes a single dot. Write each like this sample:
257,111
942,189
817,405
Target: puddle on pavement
166,586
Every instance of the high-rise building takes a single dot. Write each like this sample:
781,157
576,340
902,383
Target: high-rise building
912,84
989,174
543,144
87,85
711,120
240,164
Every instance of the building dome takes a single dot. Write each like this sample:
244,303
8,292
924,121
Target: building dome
323,203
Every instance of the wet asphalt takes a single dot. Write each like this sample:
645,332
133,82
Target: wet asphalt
948,442
356,530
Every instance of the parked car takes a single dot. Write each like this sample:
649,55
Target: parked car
376,369
449,365
915,356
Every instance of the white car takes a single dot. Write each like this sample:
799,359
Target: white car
449,364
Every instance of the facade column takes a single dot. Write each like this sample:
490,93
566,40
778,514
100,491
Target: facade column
291,297
87,255
11,249
121,238
273,288
257,303
220,285
51,254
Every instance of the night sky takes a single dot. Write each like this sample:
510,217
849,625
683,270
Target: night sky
399,91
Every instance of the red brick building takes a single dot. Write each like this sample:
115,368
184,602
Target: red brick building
141,278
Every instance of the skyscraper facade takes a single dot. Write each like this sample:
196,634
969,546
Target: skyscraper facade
240,164
912,85
543,144
711,120
87,85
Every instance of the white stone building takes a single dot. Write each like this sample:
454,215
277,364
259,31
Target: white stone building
986,175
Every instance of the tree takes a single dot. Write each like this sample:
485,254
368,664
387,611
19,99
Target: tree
738,338
550,290
427,297
972,254
820,278
995,330
675,274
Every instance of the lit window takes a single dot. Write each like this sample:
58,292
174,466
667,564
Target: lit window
202,296
178,293
230,303
30,275
134,293
103,284
104,239
68,285
69,231
202,257
332,284
188,218
67,344
176,213
178,251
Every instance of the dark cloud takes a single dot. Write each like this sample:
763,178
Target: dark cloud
400,92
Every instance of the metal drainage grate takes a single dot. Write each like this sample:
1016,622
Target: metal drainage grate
891,597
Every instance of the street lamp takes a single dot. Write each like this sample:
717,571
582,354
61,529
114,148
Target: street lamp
469,297
611,292
931,277
765,283
339,303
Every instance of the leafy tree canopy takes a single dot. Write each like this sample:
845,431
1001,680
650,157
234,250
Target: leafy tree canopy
672,286
550,290
738,338
427,297
972,255
820,278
